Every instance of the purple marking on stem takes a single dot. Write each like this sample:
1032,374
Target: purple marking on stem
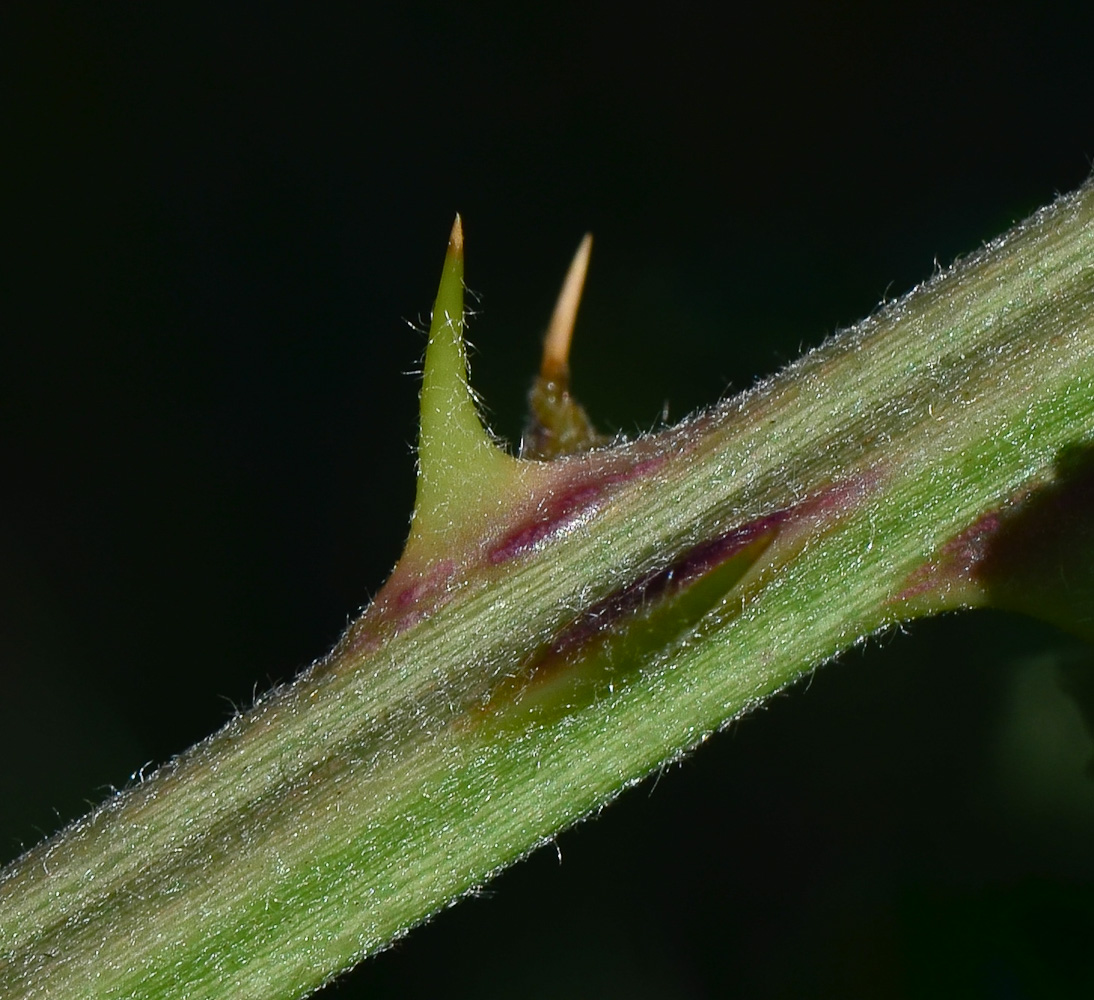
398,606
687,570
692,565
428,585
412,603
560,511
957,560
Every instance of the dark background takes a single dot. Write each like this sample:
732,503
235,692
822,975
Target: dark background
215,227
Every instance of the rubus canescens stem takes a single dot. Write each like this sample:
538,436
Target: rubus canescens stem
431,748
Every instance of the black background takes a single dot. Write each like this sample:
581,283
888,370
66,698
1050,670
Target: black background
216,225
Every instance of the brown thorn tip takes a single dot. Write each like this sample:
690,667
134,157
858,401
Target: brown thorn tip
455,239
556,345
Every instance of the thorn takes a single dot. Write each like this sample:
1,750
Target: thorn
460,469
557,423
560,333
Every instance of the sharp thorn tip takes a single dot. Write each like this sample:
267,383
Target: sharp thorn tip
556,345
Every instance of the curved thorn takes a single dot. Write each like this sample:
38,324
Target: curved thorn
556,344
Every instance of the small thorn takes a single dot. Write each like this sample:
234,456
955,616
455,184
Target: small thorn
556,345
557,423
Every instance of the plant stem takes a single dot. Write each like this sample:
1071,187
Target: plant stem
557,630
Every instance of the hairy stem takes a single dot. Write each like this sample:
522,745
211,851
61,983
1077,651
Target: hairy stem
556,630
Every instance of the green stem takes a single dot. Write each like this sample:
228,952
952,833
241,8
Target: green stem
568,629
